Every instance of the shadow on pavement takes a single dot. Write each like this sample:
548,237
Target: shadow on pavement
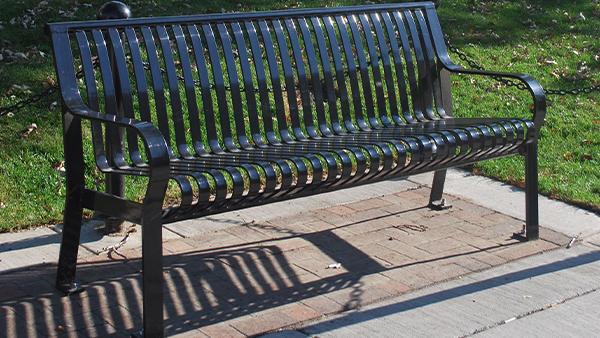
207,287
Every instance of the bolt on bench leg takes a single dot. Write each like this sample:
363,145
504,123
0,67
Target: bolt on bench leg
531,230
436,201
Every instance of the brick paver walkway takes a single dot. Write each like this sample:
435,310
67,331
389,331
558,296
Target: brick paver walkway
259,277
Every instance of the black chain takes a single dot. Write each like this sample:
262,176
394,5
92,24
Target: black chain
22,104
519,85
35,98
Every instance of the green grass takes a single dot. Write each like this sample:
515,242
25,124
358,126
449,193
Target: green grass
498,34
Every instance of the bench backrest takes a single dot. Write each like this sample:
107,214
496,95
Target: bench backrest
223,82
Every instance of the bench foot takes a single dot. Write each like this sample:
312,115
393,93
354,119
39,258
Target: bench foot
526,234
71,288
439,205
436,201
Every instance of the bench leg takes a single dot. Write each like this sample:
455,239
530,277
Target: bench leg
532,231
152,272
69,245
75,182
437,190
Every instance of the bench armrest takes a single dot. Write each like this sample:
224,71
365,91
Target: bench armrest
154,142
527,82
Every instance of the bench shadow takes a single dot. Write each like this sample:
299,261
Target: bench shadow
201,288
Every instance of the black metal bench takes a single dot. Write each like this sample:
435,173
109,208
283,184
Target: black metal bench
244,109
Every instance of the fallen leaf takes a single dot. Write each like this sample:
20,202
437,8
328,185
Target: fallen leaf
477,172
587,157
31,128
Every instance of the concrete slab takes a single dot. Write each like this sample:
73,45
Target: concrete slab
95,241
510,200
484,300
572,318
26,248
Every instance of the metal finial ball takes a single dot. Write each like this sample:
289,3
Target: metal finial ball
114,10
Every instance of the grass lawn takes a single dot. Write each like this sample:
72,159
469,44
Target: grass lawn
554,41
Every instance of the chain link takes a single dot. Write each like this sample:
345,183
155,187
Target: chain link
520,85
35,98
22,104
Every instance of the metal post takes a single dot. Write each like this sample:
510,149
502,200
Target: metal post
436,200
114,184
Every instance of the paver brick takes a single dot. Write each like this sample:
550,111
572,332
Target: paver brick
296,219
183,332
341,210
213,240
438,220
323,305
393,288
406,233
177,246
396,199
289,244
372,203
353,296
429,234
301,312
221,330
414,194
366,215
369,225
388,257
554,237
408,250
408,275
11,290
471,217
329,217
474,241
262,322
471,207
443,272
246,233
488,258
320,225
470,263
498,218
361,240
522,250
441,245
